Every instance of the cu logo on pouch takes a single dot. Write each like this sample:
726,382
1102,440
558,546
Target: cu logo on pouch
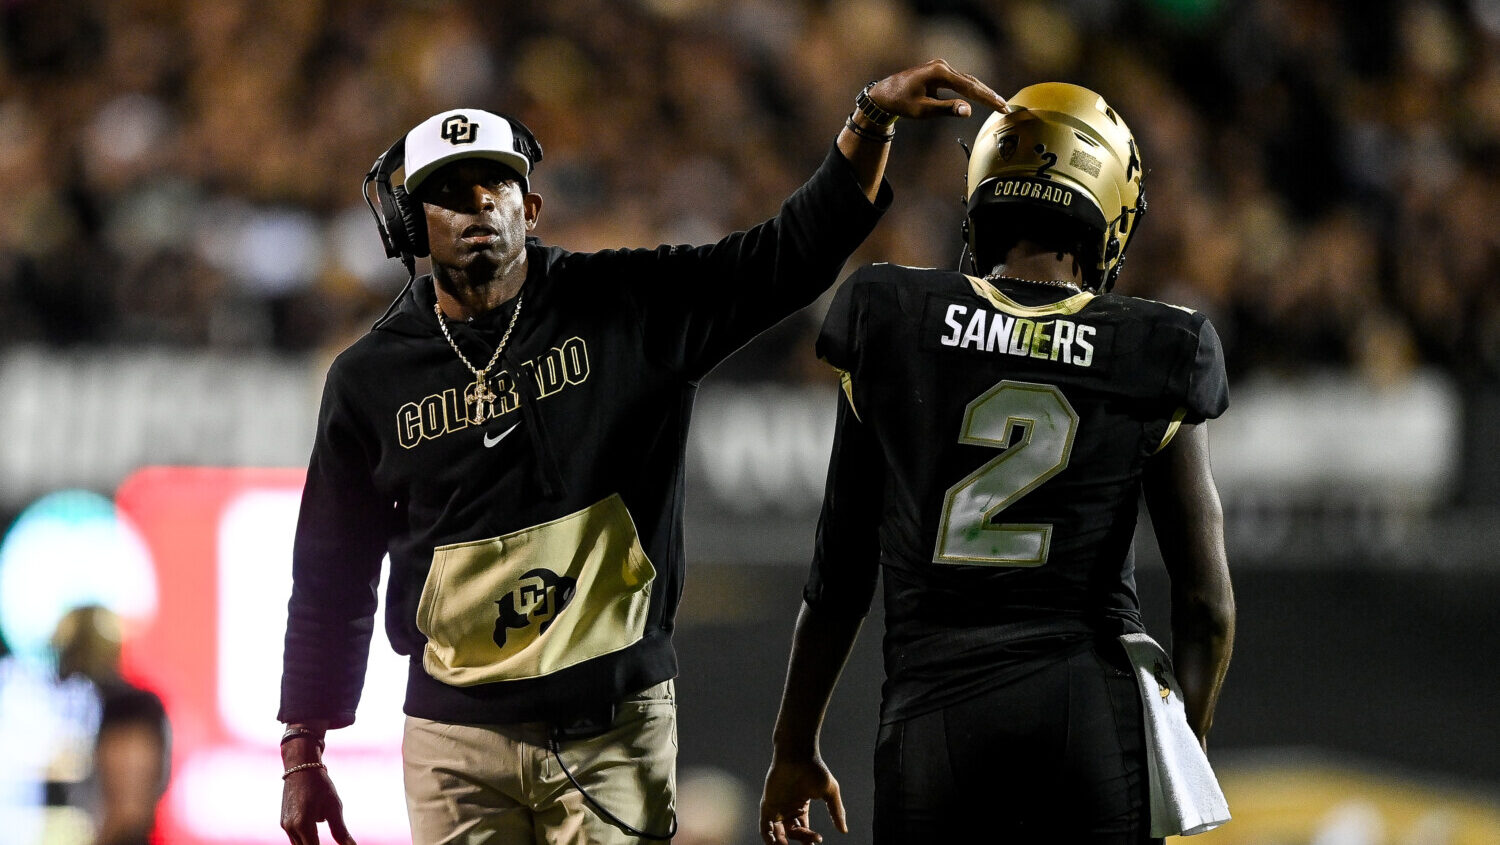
459,130
539,596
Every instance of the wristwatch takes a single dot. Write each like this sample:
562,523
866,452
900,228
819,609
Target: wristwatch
871,110
294,731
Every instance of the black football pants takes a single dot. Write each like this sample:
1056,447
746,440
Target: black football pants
1058,757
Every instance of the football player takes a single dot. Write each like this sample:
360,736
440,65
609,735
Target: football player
996,428
511,433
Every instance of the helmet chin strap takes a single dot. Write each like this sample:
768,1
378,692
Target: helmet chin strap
966,261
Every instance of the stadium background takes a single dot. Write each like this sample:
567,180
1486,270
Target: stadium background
183,248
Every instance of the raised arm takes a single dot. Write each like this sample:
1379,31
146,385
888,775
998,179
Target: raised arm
698,304
865,139
1189,524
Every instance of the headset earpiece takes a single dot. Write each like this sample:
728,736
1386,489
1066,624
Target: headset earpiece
523,141
413,221
389,207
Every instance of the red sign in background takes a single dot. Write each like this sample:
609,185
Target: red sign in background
226,782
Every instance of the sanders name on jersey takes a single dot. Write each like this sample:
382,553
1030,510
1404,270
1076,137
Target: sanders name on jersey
991,331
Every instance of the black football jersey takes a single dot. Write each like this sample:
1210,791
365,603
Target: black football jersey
989,453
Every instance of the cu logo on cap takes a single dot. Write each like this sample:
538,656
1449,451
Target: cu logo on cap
458,130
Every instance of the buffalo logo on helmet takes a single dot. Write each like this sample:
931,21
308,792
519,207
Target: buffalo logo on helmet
538,597
1007,147
458,129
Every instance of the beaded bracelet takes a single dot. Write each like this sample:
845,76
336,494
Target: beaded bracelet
877,137
299,767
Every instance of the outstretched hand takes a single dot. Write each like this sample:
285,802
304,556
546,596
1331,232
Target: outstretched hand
913,92
786,802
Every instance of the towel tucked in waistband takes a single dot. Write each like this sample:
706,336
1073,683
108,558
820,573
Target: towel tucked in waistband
1185,795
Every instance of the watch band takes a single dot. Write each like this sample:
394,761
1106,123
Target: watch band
297,730
872,110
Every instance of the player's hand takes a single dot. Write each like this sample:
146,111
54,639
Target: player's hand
786,802
308,797
913,92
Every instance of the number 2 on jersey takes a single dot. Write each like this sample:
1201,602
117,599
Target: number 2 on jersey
1048,424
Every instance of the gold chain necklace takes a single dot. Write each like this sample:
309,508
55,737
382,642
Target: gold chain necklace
479,394
1056,283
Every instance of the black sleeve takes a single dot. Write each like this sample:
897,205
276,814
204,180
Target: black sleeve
697,305
846,556
342,533
1205,391
837,339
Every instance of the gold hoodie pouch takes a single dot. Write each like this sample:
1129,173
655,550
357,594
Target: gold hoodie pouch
541,599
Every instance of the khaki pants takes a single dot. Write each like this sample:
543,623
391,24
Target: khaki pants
501,785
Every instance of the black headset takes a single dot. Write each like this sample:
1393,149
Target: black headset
403,229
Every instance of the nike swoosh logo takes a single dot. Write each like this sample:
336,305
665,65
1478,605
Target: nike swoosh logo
489,442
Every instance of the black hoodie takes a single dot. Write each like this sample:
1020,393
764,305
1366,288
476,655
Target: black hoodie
536,558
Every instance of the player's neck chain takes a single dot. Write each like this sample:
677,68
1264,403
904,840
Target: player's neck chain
479,394
1056,283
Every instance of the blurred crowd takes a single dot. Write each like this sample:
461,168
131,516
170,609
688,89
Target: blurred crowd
1322,174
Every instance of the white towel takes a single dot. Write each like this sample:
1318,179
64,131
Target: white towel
1185,795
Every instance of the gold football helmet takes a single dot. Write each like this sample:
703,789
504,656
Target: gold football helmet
1061,147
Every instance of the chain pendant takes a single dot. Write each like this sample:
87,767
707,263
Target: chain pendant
479,394
483,399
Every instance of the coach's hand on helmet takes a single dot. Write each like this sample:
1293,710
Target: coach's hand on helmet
913,92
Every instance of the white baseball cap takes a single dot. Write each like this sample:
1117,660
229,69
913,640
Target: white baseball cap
463,133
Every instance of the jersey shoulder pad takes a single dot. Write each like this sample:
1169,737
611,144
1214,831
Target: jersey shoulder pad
1187,339
1177,350
872,292
884,274
1206,393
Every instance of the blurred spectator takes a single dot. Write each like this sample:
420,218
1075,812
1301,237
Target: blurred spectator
87,752
128,775
131,745
185,174
96,761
